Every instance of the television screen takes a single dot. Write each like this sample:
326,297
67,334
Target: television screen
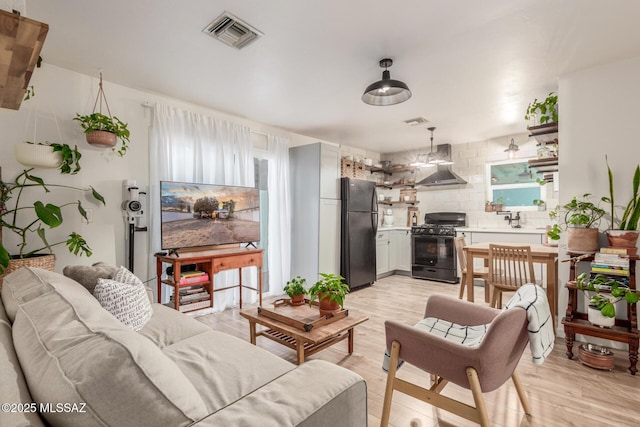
206,214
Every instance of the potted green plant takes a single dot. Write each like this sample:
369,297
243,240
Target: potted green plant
104,131
624,231
48,155
27,220
543,112
601,310
296,290
330,291
580,217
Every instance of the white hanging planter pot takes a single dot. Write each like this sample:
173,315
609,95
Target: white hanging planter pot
37,156
102,139
595,317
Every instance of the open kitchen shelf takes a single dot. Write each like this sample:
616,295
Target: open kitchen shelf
545,134
392,186
397,202
391,170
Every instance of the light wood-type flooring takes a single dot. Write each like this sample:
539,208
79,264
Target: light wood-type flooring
561,392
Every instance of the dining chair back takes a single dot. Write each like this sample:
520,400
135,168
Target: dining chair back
478,273
510,267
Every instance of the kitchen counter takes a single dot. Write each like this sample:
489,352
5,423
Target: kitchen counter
393,227
501,230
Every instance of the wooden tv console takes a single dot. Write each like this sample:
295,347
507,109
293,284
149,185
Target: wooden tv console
211,262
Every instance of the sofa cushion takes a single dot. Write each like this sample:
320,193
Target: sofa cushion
13,387
79,353
224,368
19,286
168,326
316,394
88,275
126,302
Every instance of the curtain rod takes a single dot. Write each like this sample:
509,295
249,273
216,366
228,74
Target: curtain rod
150,105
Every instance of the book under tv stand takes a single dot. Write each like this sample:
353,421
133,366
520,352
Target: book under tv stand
212,262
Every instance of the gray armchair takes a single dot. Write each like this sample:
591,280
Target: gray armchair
480,368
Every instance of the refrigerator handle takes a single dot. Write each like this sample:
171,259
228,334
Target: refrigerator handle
374,220
374,202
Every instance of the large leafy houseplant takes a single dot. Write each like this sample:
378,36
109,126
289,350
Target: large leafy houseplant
26,220
631,214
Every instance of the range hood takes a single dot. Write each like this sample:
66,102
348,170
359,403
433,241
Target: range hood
444,175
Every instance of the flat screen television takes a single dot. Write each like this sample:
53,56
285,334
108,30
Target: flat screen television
195,215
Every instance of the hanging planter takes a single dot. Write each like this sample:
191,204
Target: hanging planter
102,130
37,155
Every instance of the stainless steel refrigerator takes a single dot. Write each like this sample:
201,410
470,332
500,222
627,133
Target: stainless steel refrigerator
358,237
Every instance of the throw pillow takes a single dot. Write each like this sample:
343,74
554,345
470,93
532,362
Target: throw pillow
88,276
128,303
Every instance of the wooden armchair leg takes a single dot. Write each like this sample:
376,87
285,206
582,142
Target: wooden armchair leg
523,397
391,376
476,390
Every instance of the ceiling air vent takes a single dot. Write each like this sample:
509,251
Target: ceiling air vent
232,31
417,121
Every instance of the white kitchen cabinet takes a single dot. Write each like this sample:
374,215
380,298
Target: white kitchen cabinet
383,243
401,250
315,219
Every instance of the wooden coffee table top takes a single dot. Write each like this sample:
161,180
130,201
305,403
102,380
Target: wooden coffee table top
304,313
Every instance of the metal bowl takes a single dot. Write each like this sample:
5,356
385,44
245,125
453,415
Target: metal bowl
596,356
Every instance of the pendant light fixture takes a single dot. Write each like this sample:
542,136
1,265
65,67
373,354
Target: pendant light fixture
386,91
511,150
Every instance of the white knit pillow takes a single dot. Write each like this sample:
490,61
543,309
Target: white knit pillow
128,302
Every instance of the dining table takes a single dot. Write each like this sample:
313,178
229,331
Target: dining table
540,254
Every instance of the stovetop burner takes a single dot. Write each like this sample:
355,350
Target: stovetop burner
434,229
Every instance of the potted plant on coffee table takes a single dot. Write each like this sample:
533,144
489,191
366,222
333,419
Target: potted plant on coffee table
624,231
330,291
580,217
26,220
296,291
601,310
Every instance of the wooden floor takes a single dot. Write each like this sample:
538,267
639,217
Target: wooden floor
561,392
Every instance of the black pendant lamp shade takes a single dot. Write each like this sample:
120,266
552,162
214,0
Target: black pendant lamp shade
386,91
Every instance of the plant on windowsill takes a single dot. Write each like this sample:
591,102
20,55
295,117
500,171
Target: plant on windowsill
330,291
624,232
25,220
603,303
580,218
295,290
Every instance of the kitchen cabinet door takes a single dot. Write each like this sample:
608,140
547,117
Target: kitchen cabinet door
383,243
403,250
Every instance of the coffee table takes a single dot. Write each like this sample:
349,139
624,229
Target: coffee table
304,343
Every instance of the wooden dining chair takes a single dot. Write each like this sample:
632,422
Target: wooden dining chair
510,267
478,273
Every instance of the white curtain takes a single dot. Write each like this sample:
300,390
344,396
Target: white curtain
279,246
191,147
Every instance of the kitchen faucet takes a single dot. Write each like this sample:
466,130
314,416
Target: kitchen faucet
514,221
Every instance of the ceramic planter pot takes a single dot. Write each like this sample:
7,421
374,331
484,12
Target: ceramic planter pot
297,300
327,306
37,156
582,240
622,238
102,139
595,317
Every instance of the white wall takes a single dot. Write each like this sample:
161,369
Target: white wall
64,93
600,110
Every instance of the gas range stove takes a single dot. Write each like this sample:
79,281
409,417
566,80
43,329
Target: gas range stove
434,229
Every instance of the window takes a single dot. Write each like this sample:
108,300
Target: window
260,167
513,183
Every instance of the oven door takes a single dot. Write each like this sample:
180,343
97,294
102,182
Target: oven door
433,251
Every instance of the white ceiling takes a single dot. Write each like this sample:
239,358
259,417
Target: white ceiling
473,66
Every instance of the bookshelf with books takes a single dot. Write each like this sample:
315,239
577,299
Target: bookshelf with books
620,267
194,273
